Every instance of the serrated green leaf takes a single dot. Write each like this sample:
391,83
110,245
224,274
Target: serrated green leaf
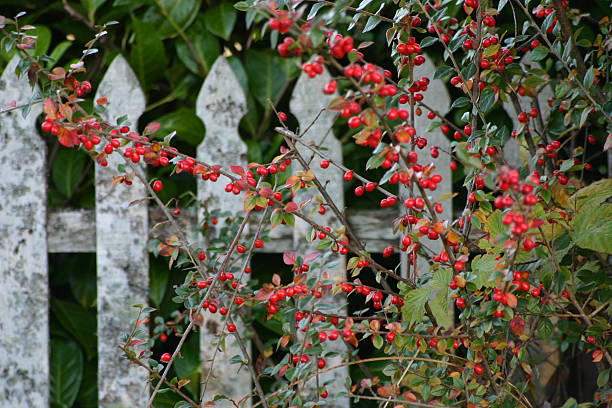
593,229
414,305
483,267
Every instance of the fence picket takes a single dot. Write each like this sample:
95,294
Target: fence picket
122,258
307,105
437,98
24,323
512,149
221,104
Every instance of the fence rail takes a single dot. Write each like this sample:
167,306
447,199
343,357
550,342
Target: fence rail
118,233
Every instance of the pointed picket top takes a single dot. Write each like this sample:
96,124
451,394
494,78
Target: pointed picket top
309,105
122,259
221,104
438,99
512,150
24,324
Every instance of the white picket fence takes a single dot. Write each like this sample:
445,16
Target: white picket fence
118,233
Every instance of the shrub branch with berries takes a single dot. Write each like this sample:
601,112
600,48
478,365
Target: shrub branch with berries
525,261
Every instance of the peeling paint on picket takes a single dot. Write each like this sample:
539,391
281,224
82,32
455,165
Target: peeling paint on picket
309,105
122,258
24,298
221,104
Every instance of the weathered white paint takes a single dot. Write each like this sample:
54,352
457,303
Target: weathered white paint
437,98
514,154
75,230
308,104
221,104
122,259
71,231
24,298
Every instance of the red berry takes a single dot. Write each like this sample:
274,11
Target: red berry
158,185
231,327
165,357
478,370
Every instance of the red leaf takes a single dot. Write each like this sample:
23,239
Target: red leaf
511,300
67,137
311,257
57,73
517,325
49,109
151,128
237,170
289,258
597,356
291,207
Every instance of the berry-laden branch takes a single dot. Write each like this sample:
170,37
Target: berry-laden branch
506,287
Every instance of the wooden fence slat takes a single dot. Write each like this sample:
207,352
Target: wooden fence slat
512,150
71,231
221,104
122,259
438,99
24,302
307,103
75,231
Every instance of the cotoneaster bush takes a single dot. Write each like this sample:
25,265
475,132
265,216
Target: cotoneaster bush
524,263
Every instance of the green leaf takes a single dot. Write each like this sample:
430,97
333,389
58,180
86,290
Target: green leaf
441,299
188,126
91,6
538,54
483,267
189,362
427,41
148,56
205,46
68,169
82,281
220,20
487,99
159,275
79,322
59,50
88,392
242,6
460,102
170,16
314,10
589,77
592,195
377,341
414,307
66,372
593,228
43,39
267,79
443,72
603,378
501,5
